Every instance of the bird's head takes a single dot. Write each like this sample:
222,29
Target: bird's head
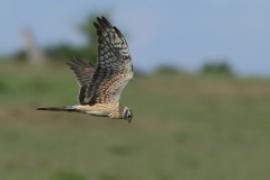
127,114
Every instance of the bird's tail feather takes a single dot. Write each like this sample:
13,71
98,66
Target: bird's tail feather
65,108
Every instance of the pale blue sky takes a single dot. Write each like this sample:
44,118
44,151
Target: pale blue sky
182,33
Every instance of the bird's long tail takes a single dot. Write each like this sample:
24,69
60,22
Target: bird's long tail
65,108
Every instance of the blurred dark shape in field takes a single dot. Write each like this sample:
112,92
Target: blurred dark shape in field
217,67
167,69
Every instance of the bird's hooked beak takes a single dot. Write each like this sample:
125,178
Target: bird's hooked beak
130,117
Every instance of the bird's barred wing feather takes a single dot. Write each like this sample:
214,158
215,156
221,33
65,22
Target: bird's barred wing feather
114,67
82,70
83,73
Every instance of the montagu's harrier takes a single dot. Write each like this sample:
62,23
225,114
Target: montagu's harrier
101,86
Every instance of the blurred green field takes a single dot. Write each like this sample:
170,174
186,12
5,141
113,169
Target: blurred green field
185,127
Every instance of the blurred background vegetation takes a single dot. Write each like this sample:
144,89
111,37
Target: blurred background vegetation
207,124
60,52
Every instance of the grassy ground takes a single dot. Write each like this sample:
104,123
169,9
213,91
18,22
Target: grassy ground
185,127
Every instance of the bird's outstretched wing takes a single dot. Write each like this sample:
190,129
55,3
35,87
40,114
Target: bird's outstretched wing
83,73
113,69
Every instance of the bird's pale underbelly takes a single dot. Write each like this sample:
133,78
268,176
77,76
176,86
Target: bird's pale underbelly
97,109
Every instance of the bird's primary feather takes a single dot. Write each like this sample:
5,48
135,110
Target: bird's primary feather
113,68
83,73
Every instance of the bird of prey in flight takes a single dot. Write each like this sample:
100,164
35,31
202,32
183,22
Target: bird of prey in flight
101,86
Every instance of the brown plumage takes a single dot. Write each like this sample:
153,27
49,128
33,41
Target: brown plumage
101,86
